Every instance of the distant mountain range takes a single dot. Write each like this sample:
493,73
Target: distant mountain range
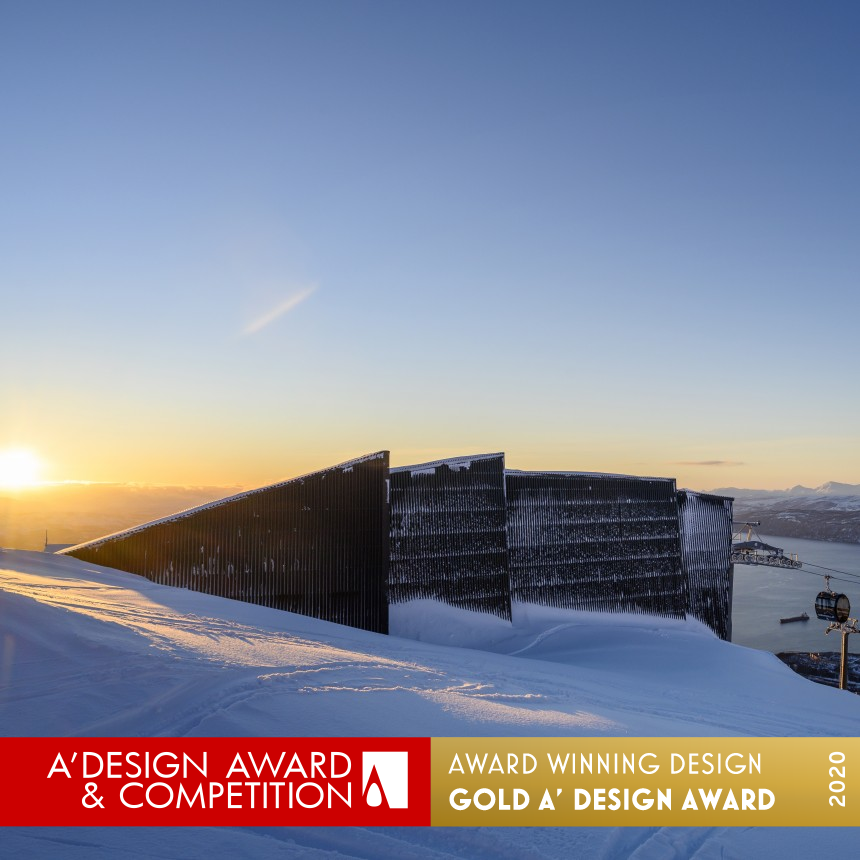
830,489
829,512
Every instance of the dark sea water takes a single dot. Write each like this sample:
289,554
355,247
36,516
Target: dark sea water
763,595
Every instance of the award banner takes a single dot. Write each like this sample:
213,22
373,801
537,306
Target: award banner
565,782
215,781
656,782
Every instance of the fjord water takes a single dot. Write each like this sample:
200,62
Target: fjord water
763,595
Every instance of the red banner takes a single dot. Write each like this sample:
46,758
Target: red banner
212,781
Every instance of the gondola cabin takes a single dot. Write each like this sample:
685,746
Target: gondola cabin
830,606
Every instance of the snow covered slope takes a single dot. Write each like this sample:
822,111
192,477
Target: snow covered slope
92,651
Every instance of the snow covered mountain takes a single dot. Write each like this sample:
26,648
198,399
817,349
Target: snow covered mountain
829,512
829,489
89,651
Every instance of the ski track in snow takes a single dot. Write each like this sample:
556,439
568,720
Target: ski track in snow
88,651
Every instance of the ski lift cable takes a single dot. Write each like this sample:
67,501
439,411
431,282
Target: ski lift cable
823,576
831,569
820,575
854,576
854,580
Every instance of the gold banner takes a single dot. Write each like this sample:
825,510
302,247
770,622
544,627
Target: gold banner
692,782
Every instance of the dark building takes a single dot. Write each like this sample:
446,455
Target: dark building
706,548
317,545
448,538
597,542
341,543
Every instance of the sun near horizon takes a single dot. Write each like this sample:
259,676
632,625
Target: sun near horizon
19,468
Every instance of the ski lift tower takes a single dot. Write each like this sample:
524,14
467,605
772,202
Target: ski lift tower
747,549
835,608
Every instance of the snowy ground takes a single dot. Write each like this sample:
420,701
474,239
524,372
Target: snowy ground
90,651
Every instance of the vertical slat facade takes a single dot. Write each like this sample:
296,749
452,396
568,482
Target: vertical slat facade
597,542
342,543
316,545
448,536
706,548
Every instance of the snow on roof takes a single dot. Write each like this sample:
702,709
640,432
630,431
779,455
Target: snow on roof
455,463
539,472
706,495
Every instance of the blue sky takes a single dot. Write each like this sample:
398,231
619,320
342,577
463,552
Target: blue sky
616,236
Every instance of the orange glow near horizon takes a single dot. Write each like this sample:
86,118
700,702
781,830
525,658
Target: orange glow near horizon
234,462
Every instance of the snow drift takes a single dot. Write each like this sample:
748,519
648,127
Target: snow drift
92,651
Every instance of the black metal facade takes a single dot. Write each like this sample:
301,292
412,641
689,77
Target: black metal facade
595,542
706,547
316,545
448,537
343,543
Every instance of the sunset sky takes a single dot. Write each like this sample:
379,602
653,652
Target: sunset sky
240,241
